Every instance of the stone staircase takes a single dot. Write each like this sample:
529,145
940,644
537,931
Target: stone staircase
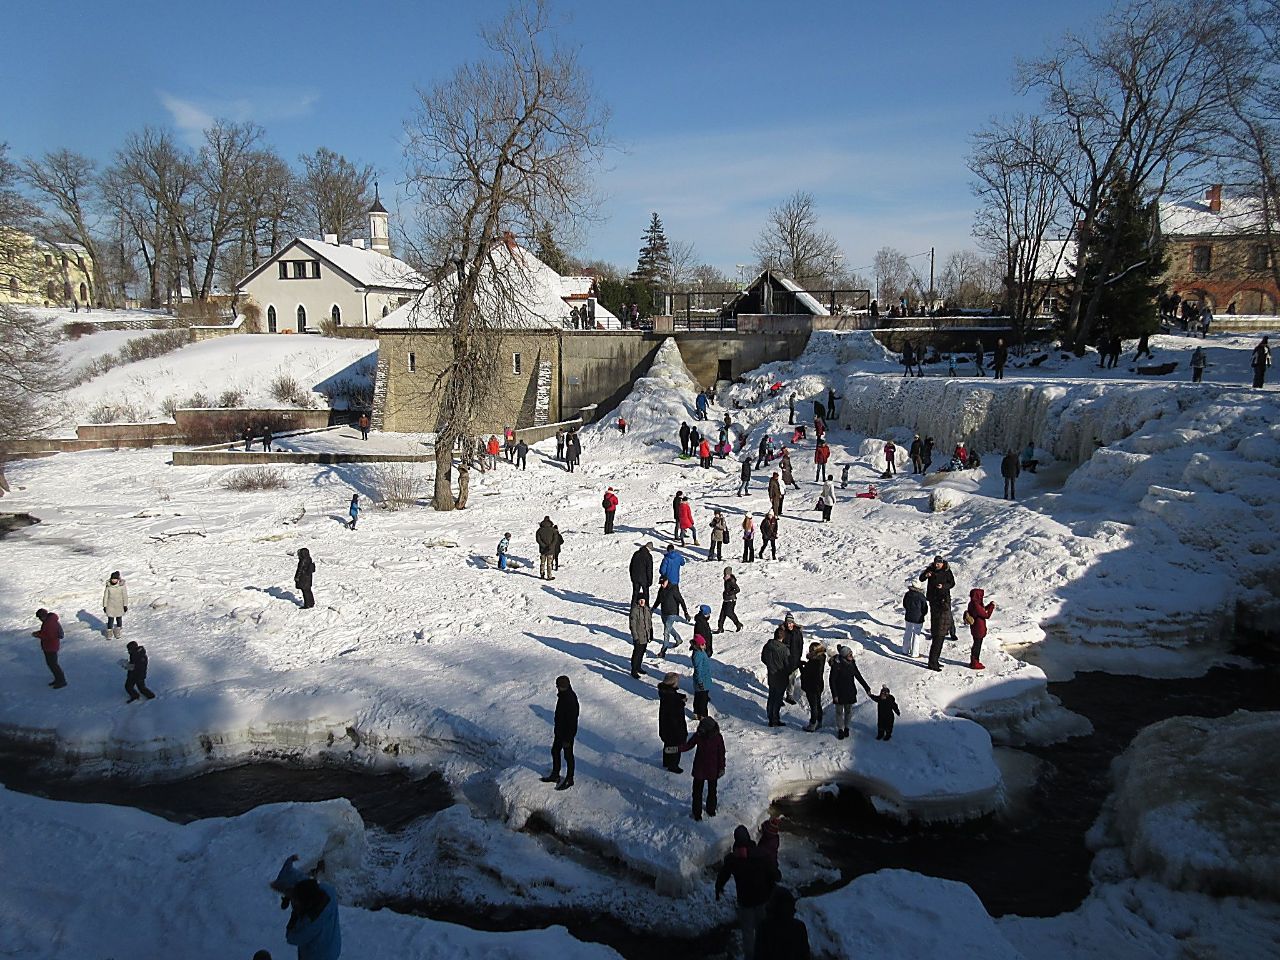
542,405
378,417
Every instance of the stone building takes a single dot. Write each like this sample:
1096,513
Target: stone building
1219,254
36,273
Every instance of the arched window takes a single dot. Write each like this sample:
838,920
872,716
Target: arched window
302,319
271,319
51,291
335,315
1201,259
385,310
84,293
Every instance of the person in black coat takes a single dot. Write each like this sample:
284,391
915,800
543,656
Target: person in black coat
684,440
754,877
813,677
885,711
729,601
302,577
939,583
1000,357
793,637
564,729
845,676
673,727
781,936
1009,469
641,571
136,680
928,454
917,455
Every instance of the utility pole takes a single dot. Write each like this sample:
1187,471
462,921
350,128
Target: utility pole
930,307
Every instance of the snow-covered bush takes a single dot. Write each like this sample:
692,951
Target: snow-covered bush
231,398
398,485
118,411
141,348
251,479
286,389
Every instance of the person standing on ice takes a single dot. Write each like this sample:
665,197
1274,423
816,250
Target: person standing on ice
754,877
363,424
1260,361
503,546
887,708
1009,469
793,637
492,448
748,539
826,500
610,504
791,409
939,582
353,511
684,521
975,617
844,680
641,572
781,935
641,621
684,439
821,454
916,453
777,665
313,925
719,536
115,604
564,730
769,535
673,729
928,454
670,604
776,494
546,537
560,443
729,601
702,682
744,477
999,358
915,608
788,475
1198,364
700,404
708,764
522,454
302,577
890,458
704,453
50,637
812,681
135,681
573,449
672,561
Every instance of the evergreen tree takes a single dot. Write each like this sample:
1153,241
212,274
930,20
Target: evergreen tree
550,252
1128,294
654,262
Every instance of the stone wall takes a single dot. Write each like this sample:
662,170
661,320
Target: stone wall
1233,276
231,458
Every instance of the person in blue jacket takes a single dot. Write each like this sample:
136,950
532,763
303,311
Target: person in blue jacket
701,405
701,678
672,561
313,924
354,510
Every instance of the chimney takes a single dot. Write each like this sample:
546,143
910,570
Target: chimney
331,239
358,243
1214,197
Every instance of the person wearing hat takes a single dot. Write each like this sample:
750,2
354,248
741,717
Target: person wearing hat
844,694
776,659
670,604
136,679
702,682
793,637
708,764
729,601
673,729
564,730
641,621
812,680
115,604
781,933
769,535
939,583
885,711
768,841
610,504
702,625
719,536
641,572
915,608
50,637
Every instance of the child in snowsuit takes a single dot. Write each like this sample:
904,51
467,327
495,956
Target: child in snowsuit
976,616
354,511
886,707
136,679
503,546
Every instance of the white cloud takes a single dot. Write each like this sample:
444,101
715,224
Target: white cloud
193,115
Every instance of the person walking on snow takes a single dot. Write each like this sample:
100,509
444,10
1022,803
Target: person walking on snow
708,764
1197,364
768,841
719,536
812,681
508,444
353,511
762,452
819,428
672,561
641,621
670,604
1009,469
915,608
729,601
977,359
1260,361
754,877
135,681
684,439
791,409
831,404
845,678
503,546
684,521
821,454
546,537
673,729
890,458
50,637
702,625
886,709
302,577
939,582
788,475
776,659
622,425
769,535
573,449
560,443
826,500
748,539
610,504
493,448
976,617
700,405
564,730
115,604
641,571
363,423
522,454
744,477
702,681
776,494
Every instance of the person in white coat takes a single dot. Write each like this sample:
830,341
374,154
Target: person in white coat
826,500
115,604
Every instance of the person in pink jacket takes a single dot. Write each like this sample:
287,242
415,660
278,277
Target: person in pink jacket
50,637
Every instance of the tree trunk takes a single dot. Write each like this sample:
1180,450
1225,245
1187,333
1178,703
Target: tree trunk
443,499
464,484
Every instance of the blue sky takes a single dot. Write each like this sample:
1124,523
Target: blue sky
720,109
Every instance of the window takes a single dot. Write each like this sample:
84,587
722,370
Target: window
48,259
50,291
1201,259
79,261
84,293
385,310
302,319
1259,257
315,269
515,364
413,362
284,270
13,284
299,269
335,315
271,320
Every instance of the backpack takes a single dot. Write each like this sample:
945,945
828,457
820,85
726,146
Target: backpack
968,619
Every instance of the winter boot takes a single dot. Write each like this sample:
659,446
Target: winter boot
553,777
115,633
976,665
565,784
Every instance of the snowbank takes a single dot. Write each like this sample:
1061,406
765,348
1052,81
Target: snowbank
654,409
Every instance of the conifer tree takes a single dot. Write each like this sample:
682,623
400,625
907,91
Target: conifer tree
654,262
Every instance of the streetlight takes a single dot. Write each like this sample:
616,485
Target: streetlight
741,277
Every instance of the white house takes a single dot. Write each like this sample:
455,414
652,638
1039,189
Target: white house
309,281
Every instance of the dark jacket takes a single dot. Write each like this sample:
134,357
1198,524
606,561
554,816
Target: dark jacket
775,656
642,567
753,876
769,528
1009,466
980,612
702,625
845,676
708,757
669,601
306,568
780,935
566,723
731,589
546,537
745,472
138,663
813,675
916,606
684,434
887,707
675,507
673,728
794,639
940,583
775,488
917,449
641,622
1000,356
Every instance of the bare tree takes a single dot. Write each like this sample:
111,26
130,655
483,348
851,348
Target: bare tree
681,264
792,241
968,280
893,274
16,213
497,150
225,161
67,183
31,377
333,194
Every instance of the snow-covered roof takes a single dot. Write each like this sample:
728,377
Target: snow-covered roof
1055,259
576,288
367,267
1193,217
807,299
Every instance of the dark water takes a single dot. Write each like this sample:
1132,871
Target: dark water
1033,862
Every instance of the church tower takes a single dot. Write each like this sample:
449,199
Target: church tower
378,239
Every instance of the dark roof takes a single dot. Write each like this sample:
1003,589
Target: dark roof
377,206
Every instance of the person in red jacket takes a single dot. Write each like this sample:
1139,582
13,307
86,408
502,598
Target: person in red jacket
50,637
684,519
704,453
821,454
610,508
708,764
976,616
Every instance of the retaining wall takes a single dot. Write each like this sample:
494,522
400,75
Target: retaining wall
230,458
